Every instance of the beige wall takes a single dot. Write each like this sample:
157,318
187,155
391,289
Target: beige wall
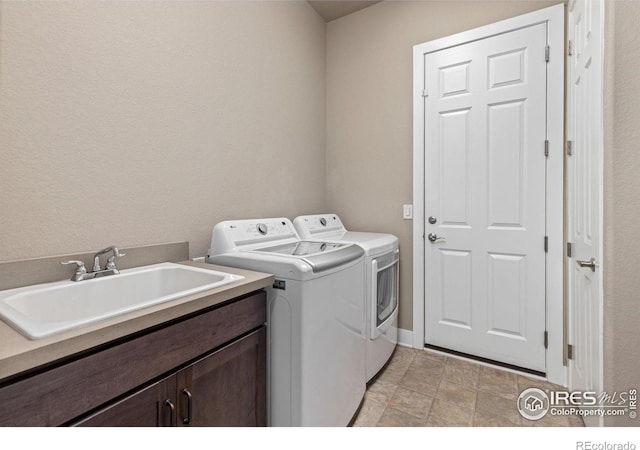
143,122
369,152
135,123
622,201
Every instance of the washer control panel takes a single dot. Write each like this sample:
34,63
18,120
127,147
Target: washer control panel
245,231
232,235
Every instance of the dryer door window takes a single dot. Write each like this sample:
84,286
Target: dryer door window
386,288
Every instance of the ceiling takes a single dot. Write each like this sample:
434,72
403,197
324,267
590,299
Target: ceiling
330,10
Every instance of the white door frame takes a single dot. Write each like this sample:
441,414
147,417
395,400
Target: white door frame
554,17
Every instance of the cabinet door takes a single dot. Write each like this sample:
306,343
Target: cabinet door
226,388
154,406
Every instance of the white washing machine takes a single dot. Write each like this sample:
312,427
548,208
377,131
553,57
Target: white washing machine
315,323
381,282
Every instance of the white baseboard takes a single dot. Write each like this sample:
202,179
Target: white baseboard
405,338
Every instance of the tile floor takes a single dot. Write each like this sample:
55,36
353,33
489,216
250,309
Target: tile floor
419,388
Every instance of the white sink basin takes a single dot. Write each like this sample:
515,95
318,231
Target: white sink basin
42,310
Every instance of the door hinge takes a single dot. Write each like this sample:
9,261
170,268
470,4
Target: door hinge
569,148
547,52
569,249
546,148
546,244
546,339
569,351
569,48
425,93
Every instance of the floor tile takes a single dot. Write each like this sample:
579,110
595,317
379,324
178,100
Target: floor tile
429,365
444,414
418,388
429,362
381,391
485,419
436,357
411,402
403,353
397,365
370,413
526,382
402,360
392,374
396,418
461,372
415,379
499,407
498,382
457,395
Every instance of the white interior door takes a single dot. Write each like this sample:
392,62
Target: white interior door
485,194
584,167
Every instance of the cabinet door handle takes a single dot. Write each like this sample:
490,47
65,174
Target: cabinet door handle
172,410
187,420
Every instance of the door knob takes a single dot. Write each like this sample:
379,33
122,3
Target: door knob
434,237
590,264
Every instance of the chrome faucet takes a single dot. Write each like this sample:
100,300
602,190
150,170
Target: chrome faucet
109,268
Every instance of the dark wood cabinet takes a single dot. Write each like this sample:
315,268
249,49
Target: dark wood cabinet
207,369
153,406
226,388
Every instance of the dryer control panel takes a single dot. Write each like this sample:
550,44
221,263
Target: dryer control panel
307,226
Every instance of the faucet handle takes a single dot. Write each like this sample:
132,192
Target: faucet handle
80,264
81,269
111,262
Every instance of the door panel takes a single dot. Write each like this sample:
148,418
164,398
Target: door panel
226,388
153,406
506,296
485,168
456,292
454,148
505,148
584,171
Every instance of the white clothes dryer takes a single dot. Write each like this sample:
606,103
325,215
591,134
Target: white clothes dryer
315,326
382,262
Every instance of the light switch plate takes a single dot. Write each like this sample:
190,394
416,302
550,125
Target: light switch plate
407,212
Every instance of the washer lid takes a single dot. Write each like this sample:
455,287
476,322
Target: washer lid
301,248
319,255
